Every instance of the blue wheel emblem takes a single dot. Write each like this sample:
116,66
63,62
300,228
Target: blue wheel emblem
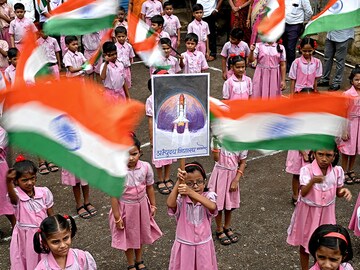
280,127
337,7
66,132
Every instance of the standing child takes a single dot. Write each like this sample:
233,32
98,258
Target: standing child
270,69
91,43
192,61
168,60
32,204
54,239
193,207
6,16
157,24
4,47
131,217
306,69
73,60
349,145
201,29
330,245
10,71
320,183
149,9
172,26
120,19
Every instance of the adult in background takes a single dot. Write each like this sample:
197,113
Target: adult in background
239,15
211,9
296,13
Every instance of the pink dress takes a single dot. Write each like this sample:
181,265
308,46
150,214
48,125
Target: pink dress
76,260
68,179
352,145
318,207
267,76
193,247
194,62
230,49
6,207
201,29
237,89
221,177
125,54
343,266
295,161
354,224
29,213
134,206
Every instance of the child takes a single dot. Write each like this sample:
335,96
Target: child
20,26
120,19
354,223
73,60
149,9
320,183
168,60
131,217
224,181
112,73
125,52
52,50
10,71
349,145
231,48
4,63
6,16
193,208
31,204
330,245
157,24
54,239
192,61
172,26
238,86
306,69
270,71
91,42
201,29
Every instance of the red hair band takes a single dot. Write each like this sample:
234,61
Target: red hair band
196,165
66,216
39,230
337,235
163,71
19,158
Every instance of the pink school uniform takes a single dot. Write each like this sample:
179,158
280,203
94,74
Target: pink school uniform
140,226
234,49
267,75
51,47
318,207
125,54
221,177
354,223
305,73
343,266
76,260
237,89
18,29
171,26
7,11
75,60
69,179
9,74
151,8
201,29
4,63
294,162
171,61
193,247
114,81
29,213
6,207
194,62
91,43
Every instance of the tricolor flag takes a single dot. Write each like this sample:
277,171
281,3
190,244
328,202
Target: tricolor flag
272,26
300,123
70,123
336,15
78,17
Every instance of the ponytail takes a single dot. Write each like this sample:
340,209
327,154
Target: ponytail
38,244
278,48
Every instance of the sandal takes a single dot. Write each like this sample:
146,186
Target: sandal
225,241
233,236
171,186
348,180
353,177
137,265
294,201
85,214
43,169
131,267
163,190
92,211
52,167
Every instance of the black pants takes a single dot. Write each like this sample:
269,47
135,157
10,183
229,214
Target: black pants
290,38
212,37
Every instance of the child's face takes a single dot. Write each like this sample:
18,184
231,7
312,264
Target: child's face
307,51
156,27
324,158
42,34
20,13
111,56
195,181
239,68
13,61
73,46
166,49
190,45
121,38
356,82
234,41
59,243
328,259
121,15
198,14
27,182
134,155
169,10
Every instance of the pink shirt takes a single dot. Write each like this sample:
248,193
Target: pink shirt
74,60
169,61
91,41
236,49
149,106
19,27
3,59
200,28
10,74
230,160
7,11
51,47
305,73
354,104
343,266
235,89
76,260
171,24
125,53
194,62
115,76
142,171
123,23
151,8
268,56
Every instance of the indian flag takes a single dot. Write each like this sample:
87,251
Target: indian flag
70,123
78,17
272,26
336,15
299,123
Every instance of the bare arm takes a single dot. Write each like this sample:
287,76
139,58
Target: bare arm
171,200
103,71
10,177
343,192
223,67
283,74
150,121
306,189
126,90
58,60
4,53
74,70
50,211
12,41
292,87
185,190
251,55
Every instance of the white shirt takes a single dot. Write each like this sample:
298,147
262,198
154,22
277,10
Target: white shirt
29,7
297,11
208,5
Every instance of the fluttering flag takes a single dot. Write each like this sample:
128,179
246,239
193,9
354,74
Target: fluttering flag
272,26
299,123
78,17
336,15
70,123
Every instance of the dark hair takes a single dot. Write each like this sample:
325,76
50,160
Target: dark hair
121,8
307,40
319,238
197,7
157,19
13,52
166,41
49,226
278,48
109,46
233,60
195,166
24,166
336,155
355,71
192,37
40,26
120,30
166,4
155,72
69,39
237,33
137,143
19,6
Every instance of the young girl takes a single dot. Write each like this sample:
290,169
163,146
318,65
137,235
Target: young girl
54,239
320,183
238,86
193,208
330,245
269,76
306,69
131,216
354,224
32,204
224,180
349,145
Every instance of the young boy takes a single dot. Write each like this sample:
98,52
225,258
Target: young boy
73,60
125,52
120,19
10,71
172,26
201,29
168,60
112,74
192,61
157,24
91,42
149,9
19,26
6,16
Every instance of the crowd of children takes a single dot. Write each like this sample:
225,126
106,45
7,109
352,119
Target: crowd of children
42,240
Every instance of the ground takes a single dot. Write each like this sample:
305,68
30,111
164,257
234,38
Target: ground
261,221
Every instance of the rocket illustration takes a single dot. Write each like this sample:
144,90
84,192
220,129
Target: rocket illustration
181,119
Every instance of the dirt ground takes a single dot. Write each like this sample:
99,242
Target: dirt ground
261,221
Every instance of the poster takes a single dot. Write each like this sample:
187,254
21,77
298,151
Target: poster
181,115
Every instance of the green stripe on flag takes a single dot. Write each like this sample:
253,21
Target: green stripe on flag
45,70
